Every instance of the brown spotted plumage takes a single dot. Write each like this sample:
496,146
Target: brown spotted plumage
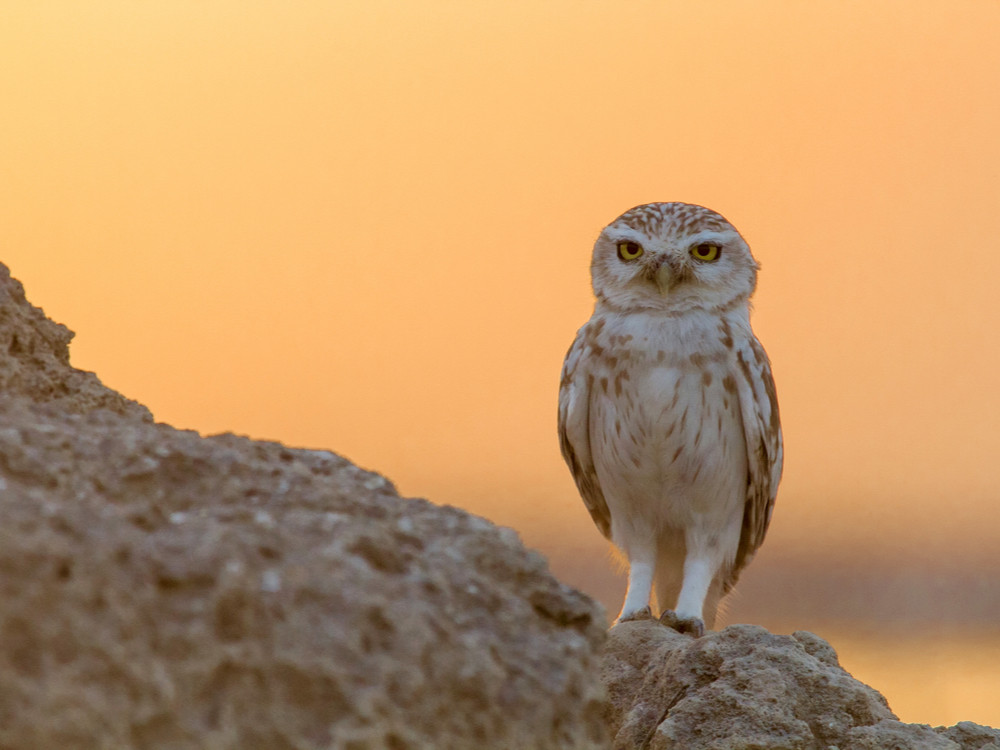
668,418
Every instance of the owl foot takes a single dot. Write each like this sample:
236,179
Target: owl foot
639,614
693,626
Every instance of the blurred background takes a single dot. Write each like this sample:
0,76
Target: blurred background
366,227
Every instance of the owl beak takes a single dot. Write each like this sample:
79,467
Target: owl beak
666,273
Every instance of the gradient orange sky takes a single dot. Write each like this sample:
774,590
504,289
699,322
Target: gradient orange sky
367,227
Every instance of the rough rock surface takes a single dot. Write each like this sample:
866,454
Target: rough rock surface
163,590
743,687
34,360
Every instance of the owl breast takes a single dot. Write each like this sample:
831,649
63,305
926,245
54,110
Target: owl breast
665,423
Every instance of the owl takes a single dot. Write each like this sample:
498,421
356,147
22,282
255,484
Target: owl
668,417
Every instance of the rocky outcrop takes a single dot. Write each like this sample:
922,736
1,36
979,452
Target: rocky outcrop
743,687
34,360
159,589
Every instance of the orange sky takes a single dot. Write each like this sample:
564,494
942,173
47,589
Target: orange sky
367,227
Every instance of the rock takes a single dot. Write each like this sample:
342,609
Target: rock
163,590
159,589
743,687
34,360
971,736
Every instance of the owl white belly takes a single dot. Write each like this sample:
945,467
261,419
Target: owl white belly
668,441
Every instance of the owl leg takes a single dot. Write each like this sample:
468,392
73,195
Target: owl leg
640,583
699,570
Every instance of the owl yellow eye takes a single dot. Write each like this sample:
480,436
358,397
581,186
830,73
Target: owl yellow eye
705,252
629,250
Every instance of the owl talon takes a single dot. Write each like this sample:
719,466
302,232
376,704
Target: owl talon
639,614
693,626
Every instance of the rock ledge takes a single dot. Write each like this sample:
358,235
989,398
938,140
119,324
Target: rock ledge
159,589
164,590
744,687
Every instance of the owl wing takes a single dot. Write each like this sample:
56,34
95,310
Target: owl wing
574,431
762,430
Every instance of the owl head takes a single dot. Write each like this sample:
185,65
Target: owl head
672,257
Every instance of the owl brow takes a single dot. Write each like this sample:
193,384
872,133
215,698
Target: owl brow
712,236
625,234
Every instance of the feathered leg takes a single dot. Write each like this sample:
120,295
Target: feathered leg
701,563
640,584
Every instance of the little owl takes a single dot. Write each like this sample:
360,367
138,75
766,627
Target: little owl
667,412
